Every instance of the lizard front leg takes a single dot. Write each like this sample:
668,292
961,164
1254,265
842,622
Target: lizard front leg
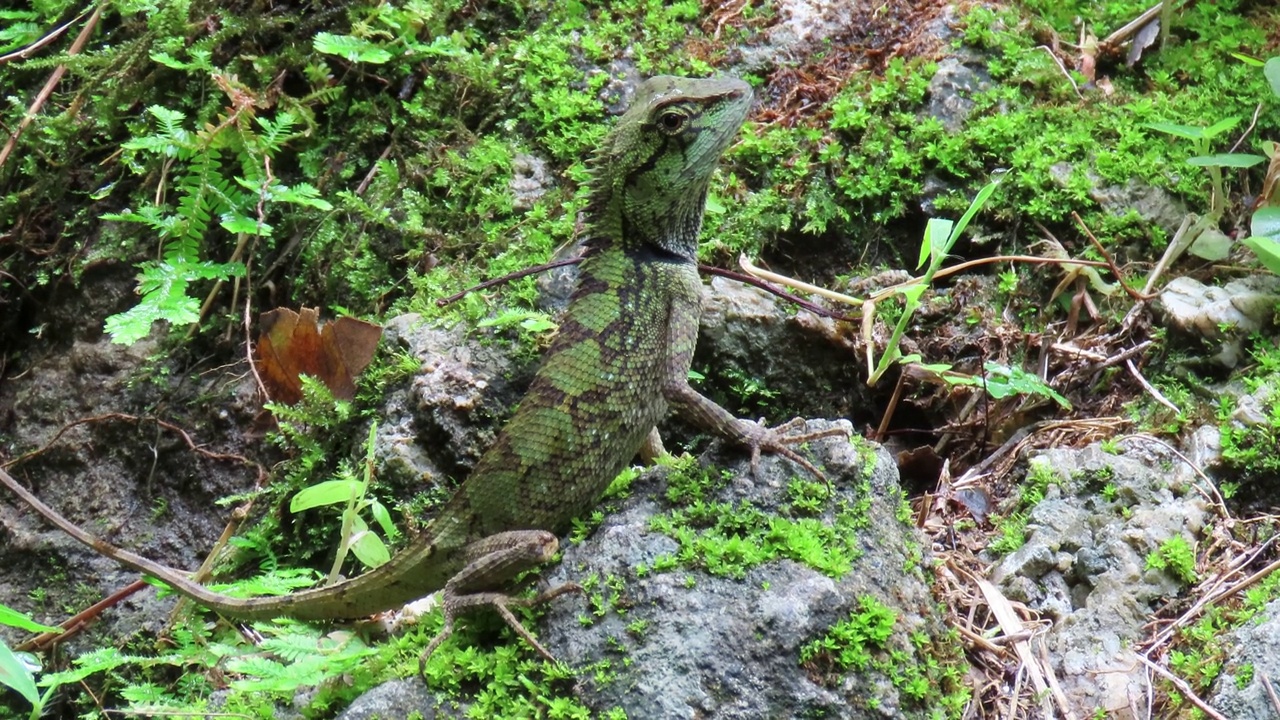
682,336
494,562
756,437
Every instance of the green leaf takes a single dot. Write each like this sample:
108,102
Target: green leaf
1212,245
1272,72
17,35
241,224
1266,223
301,194
974,207
1267,250
352,48
369,549
15,674
22,621
1182,131
538,324
1004,381
1232,160
1221,126
1247,59
329,492
936,233
383,518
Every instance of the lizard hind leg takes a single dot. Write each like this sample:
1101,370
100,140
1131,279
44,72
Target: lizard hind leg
495,562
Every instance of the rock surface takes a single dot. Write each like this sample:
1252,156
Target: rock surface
1226,314
1253,654
683,642
721,647
1084,565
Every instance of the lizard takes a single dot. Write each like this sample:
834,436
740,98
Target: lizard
617,364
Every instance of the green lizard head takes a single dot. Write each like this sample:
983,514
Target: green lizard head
650,174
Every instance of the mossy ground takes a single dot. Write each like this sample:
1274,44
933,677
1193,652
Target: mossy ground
407,123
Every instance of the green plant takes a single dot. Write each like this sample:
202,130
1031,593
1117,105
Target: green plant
849,643
1000,381
352,491
1177,556
18,670
203,186
1012,534
939,237
1264,226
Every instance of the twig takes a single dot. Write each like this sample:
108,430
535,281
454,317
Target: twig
1249,130
1114,39
52,35
779,292
1111,264
785,281
1217,498
749,280
1151,389
1183,688
373,172
1271,693
81,40
74,624
134,418
506,279
1063,68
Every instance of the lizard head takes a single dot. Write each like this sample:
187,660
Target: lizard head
651,172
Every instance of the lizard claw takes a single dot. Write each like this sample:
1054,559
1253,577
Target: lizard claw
759,437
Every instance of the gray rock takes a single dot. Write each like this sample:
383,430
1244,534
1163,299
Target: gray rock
717,647
400,700
803,359
1253,652
1151,203
951,91
130,482
443,420
802,25
1226,314
530,180
1084,563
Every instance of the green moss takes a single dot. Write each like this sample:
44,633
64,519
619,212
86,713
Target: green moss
929,675
730,538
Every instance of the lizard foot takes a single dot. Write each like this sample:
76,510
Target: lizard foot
758,437
457,604
495,562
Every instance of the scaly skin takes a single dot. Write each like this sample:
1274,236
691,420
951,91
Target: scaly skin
620,360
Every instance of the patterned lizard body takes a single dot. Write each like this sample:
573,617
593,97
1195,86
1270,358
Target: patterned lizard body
618,363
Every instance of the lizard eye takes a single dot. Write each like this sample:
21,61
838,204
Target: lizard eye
671,122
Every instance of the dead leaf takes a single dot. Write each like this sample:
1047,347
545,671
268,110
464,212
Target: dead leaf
292,344
1143,40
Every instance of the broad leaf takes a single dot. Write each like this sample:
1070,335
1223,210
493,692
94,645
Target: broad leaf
1182,131
352,48
1266,223
15,674
1221,126
1267,250
1232,160
1272,72
370,549
329,492
383,517
22,621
